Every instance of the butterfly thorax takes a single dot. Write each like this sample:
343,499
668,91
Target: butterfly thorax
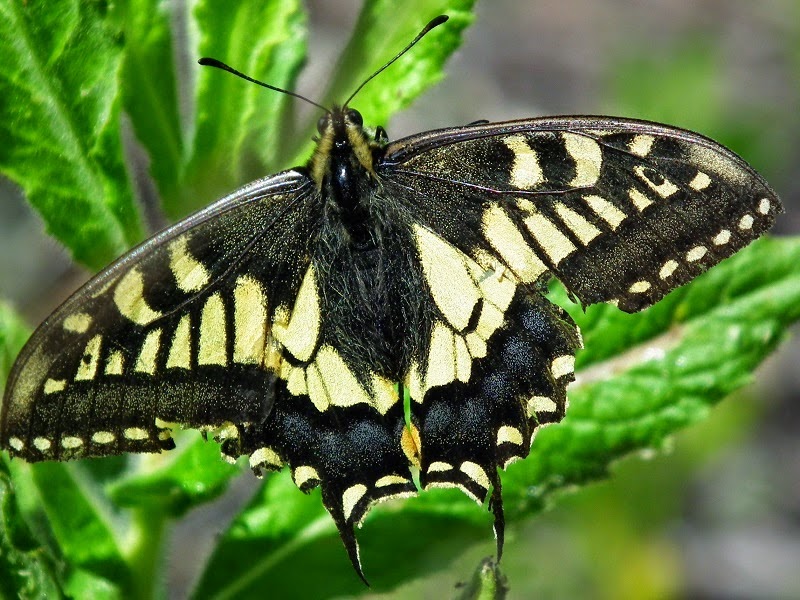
359,246
342,167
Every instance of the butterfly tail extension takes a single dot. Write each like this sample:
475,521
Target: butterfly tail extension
353,453
496,506
470,429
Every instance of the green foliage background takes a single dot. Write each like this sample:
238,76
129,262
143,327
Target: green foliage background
98,528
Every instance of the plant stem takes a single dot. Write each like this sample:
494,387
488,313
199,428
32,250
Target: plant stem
144,553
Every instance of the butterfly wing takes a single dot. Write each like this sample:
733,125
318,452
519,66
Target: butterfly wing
619,210
177,330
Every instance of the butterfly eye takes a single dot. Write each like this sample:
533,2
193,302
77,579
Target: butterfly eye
322,123
355,117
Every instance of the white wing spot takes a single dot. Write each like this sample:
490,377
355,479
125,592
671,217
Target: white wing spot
504,237
696,253
52,386
16,443
476,345
588,158
553,242
384,393
639,287
265,457
129,298
439,466
350,498
135,433
337,377
526,171
303,474
212,348
227,432
42,444
249,321
538,404
299,336
582,228
475,472
640,201
463,359
103,437
115,364
316,388
722,238
295,379
446,272
190,274
641,144
764,206
605,210
441,357
665,189
746,222
667,269
489,321
71,442
509,434
180,351
146,363
562,365
700,182
390,480
87,369
78,322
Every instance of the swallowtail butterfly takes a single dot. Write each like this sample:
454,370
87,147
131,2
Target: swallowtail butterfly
294,315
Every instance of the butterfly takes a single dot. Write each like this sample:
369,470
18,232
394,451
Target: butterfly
381,309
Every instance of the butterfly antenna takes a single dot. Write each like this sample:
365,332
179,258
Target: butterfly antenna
213,62
434,23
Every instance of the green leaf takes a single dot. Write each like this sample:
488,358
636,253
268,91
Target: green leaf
286,536
59,122
190,475
149,89
721,327
85,584
77,517
652,374
375,40
27,569
13,333
239,127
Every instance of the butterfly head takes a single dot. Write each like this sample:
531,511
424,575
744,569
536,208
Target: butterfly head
343,145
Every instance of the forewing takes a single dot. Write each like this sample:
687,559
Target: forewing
621,211
177,330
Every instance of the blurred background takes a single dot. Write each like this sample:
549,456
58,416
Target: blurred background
718,516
